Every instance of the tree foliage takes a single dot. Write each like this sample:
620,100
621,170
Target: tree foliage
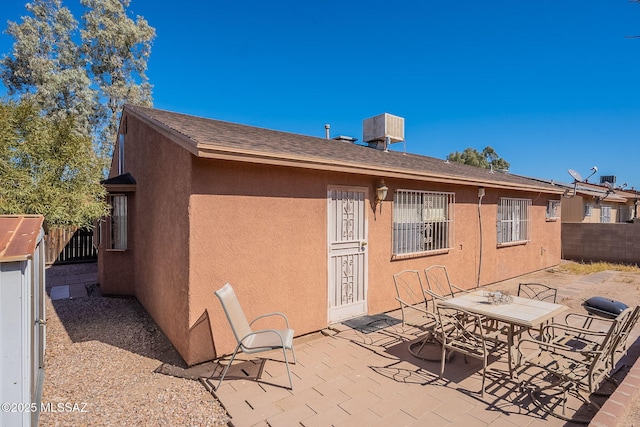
68,84
46,67
88,72
48,168
117,49
487,159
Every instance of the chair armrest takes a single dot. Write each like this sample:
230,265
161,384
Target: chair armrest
459,289
413,306
570,329
434,295
587,319
275,313
566,351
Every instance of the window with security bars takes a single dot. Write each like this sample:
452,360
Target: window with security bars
422,221
587,210
116,235
513,220
553,209
605,214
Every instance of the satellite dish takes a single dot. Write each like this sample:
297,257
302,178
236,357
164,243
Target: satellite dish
609,186
576,176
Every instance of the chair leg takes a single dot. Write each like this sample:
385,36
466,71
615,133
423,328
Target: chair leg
227,367
484,375
293,352
286,362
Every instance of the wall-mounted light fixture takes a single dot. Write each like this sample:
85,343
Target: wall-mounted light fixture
381,193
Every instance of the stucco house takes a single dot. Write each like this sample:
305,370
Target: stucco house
593,203
309,226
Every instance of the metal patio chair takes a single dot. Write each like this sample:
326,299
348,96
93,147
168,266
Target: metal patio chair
254,341
574,371
439,285
592,329
412,296
464,332
410,293
537,291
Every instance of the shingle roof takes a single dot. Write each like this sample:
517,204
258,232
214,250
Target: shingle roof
124,179
218,139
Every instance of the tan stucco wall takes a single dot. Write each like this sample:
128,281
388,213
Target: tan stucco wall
264,230
155,268
199,223
573,210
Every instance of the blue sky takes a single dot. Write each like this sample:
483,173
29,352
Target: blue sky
549,84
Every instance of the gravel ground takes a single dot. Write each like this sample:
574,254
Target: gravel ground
100,359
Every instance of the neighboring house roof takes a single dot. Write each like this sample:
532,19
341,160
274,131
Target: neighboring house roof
601,194
209,138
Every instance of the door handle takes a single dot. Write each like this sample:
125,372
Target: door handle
363,244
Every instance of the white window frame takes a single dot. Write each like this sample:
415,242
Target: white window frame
116,223
513,221
605,214
553,209
422,222
588,210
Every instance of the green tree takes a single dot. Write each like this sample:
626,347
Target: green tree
48,168
487,159
46,66
117,49
88,73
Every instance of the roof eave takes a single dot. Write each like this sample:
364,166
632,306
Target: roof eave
181,139
220,153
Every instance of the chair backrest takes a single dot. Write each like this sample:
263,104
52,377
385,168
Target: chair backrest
409,287
461,329
600,365
238,321
438,281
537,291
628,320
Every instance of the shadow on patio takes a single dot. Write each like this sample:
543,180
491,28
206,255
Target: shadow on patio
357,376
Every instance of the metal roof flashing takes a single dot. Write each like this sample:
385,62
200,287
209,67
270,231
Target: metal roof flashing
19,235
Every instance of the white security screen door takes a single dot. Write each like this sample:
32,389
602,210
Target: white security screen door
347,232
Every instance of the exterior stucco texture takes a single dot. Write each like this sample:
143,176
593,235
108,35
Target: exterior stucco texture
200,223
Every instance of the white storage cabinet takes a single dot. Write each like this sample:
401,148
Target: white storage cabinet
22,319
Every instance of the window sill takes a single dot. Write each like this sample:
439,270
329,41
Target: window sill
116,250
420,254
554,219
508,244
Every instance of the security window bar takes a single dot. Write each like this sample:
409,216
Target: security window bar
605,214
422,221
553,209
587,210
513,220
117,223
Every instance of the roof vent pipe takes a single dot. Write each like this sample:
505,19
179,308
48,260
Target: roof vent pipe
326,131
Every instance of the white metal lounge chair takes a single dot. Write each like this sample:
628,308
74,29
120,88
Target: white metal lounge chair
250,341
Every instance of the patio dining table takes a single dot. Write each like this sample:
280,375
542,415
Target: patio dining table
517,312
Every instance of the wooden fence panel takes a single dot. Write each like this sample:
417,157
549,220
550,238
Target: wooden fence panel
70,245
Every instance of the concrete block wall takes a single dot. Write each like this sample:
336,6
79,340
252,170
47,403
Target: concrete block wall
601,242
